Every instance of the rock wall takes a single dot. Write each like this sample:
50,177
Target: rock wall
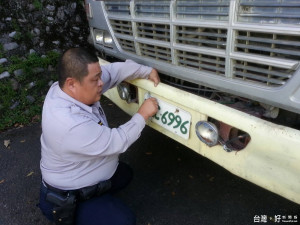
40,26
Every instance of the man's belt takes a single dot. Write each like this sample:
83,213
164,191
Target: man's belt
84,193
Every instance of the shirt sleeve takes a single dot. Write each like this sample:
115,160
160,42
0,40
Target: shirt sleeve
115,73
89,140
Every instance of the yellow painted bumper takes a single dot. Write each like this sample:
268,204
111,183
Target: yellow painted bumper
271,159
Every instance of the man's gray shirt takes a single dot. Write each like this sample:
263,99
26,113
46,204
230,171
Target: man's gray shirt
76,150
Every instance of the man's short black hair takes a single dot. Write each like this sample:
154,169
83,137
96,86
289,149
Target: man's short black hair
74,63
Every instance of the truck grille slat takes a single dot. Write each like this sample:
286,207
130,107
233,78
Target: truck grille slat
118,7
199,41
166,4
203,13
140,11
202,67
259,11
206,10
269,50
205,4
202,59
267,4
151,28
152,8
272,15
266,71
217,35
271,41
259,78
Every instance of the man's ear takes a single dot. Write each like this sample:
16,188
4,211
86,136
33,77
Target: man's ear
70,84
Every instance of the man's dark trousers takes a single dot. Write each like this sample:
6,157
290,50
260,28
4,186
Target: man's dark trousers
101,210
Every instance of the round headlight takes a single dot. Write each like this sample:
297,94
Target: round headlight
124,92
207,132
98,36
107,39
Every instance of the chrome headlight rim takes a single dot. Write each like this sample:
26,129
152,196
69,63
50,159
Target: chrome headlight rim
99,36
212,127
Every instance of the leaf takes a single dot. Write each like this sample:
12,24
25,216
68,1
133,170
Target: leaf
29,174
22,141
6,143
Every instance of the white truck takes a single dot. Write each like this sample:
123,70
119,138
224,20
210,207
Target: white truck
230,75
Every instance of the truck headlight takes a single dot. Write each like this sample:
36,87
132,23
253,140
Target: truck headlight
127,92
103,37
207,132
124,91
99,36
216,132
107,39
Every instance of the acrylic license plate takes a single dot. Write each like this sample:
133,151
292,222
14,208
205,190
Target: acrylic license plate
173,119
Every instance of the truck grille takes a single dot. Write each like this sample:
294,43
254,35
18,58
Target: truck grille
194,35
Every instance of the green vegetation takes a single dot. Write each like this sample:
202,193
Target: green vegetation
38,4
16,107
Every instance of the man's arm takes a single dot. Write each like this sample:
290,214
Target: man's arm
89,140
115,73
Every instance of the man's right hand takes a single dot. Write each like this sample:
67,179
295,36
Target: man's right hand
148,108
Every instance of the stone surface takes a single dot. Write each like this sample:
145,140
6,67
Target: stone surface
38,27
10,46
4,75
18,72
3,60
30,98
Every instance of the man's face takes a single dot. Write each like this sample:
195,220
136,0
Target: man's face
88,91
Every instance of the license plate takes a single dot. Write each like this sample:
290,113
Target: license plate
172,118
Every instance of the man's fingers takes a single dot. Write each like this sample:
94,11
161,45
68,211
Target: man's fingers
156,81
153,76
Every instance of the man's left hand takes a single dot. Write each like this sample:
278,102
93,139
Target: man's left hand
153,76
